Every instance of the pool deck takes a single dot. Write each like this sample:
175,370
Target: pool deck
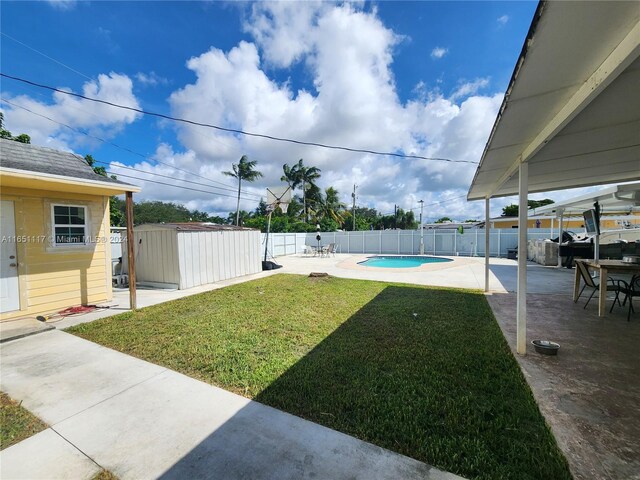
461,272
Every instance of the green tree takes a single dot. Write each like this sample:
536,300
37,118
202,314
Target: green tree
261,209
116,212
22,138
243,170
330,207
512,210
160,212
290,176
241,216
302,176
443,220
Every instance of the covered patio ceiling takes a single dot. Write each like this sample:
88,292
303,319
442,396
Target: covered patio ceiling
572,109
570,116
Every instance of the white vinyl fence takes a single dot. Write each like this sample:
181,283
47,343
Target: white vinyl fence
448,242
281,244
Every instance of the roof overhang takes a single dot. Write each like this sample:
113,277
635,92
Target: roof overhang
572,109
616,199
10,177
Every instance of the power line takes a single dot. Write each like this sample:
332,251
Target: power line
140,155
45,55
177,186
232,130
172,178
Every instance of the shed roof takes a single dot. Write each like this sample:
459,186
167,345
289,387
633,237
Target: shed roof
32,159
193,227
572,108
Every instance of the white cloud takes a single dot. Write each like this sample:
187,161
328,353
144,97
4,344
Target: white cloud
469,88
62,4
502,20
283,30
99,119
151,79
348,53
439,52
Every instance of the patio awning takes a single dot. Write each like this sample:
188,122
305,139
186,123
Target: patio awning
616,199
572,109
570,116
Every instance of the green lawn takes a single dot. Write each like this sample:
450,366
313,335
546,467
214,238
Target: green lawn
16,423
422,371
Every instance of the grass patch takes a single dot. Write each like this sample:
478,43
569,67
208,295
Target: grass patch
440,386
16,423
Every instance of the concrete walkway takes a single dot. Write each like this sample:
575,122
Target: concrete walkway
138,420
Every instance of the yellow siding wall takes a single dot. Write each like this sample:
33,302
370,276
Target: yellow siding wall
567,224
53,278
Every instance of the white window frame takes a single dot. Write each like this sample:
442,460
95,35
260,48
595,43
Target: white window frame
54,238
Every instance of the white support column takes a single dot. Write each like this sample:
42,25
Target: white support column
521,319
487,229
560,229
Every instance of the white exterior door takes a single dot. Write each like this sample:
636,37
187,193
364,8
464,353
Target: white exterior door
9,291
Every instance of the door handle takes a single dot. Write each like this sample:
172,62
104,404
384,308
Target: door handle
12,257
12,265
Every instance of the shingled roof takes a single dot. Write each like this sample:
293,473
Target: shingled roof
31,158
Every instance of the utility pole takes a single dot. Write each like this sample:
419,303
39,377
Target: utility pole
395,217
353,215
421,202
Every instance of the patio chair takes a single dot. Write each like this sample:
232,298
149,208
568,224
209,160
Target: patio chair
331,249
590,282
308,250
630,290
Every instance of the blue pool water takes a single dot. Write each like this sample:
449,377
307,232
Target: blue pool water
401,262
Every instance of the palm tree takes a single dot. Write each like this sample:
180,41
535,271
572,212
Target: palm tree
243,170
290,176
308,176
332,207
299,175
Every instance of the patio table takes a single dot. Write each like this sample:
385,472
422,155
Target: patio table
603,267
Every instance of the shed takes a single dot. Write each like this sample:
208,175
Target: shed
186,255
54,224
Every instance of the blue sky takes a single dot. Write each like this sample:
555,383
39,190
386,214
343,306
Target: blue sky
424,78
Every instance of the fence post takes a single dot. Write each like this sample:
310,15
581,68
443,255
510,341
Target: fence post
455,242
380,241
434,241
499,247
398,233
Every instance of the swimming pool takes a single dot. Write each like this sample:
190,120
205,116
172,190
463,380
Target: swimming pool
401,261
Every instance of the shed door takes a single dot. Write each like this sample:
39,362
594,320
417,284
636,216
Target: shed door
9,293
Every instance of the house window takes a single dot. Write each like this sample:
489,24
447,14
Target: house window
69,225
